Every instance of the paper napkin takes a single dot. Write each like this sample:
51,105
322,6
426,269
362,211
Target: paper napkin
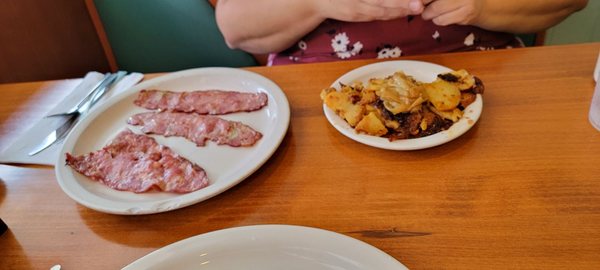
17,152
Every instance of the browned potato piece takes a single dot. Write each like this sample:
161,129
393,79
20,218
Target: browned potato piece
372,125
367,97
453,115
467,98
443,95
461,78
466,81
341,103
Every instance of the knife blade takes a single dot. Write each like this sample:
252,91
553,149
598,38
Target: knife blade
71,118
54,136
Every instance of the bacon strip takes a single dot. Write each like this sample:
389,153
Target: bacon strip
137,163
213,102
196,128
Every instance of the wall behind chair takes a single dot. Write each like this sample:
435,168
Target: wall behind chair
43,40
583,26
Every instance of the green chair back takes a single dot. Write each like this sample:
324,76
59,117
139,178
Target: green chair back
166,35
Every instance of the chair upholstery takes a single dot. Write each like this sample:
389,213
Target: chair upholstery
163,35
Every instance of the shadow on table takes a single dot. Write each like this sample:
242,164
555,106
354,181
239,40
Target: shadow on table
232,208
12,255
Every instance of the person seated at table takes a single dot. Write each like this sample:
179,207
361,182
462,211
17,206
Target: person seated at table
301,31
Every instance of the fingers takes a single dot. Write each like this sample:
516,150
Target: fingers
447,19
447,12
389,3
369,10
438,8
413,6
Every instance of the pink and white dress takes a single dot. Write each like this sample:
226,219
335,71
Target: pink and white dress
336,40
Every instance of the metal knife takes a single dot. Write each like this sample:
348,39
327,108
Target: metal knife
54,136
71,117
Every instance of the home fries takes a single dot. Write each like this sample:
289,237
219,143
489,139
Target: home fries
400,107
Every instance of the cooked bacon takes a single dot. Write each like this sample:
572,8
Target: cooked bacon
213,102
196,128
137,163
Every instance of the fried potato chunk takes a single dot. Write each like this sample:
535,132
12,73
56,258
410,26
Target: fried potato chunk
467,98
461,78
343,104
444,96
453,115
372,125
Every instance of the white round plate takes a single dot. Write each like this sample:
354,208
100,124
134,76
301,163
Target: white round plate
421,71
225,166
269,247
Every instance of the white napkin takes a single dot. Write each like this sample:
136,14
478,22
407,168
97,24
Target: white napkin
17,152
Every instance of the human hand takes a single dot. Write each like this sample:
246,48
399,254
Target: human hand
447,12
368,10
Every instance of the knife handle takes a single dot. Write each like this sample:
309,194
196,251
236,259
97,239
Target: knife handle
103,89
86,99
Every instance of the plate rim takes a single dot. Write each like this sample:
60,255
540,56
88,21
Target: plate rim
76,192
267,231
456,130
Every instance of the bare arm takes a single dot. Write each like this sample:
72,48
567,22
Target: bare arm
263,26
515,16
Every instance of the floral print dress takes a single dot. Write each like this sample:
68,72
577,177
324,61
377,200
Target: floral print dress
336,40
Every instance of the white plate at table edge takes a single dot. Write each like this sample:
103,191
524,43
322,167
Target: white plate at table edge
422,71
313,244
92,194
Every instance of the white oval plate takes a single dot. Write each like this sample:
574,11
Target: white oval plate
421,71
226,166
269,247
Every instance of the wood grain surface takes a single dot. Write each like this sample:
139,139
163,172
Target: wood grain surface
520,190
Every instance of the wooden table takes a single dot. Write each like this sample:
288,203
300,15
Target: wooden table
520,190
